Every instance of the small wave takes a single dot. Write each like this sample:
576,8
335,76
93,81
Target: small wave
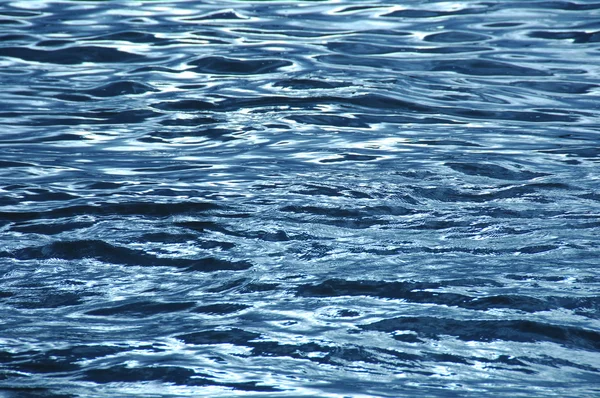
303,198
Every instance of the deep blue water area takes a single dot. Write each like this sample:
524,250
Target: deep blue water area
299,198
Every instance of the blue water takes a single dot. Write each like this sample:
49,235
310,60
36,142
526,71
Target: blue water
308,198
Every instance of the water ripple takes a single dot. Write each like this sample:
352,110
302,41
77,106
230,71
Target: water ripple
302,198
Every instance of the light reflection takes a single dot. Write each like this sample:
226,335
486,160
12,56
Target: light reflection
305,203
30,4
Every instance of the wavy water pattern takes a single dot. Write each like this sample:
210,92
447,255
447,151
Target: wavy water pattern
299,198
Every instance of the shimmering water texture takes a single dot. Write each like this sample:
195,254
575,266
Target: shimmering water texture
309,198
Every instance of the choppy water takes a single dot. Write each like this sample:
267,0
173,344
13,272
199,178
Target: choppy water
325,198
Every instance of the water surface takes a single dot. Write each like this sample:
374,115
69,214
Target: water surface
308,198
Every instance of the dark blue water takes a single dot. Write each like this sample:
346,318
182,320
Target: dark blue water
308,198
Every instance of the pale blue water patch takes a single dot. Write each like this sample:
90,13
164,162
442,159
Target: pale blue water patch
308,198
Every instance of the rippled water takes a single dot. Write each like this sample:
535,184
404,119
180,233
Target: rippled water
309,198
